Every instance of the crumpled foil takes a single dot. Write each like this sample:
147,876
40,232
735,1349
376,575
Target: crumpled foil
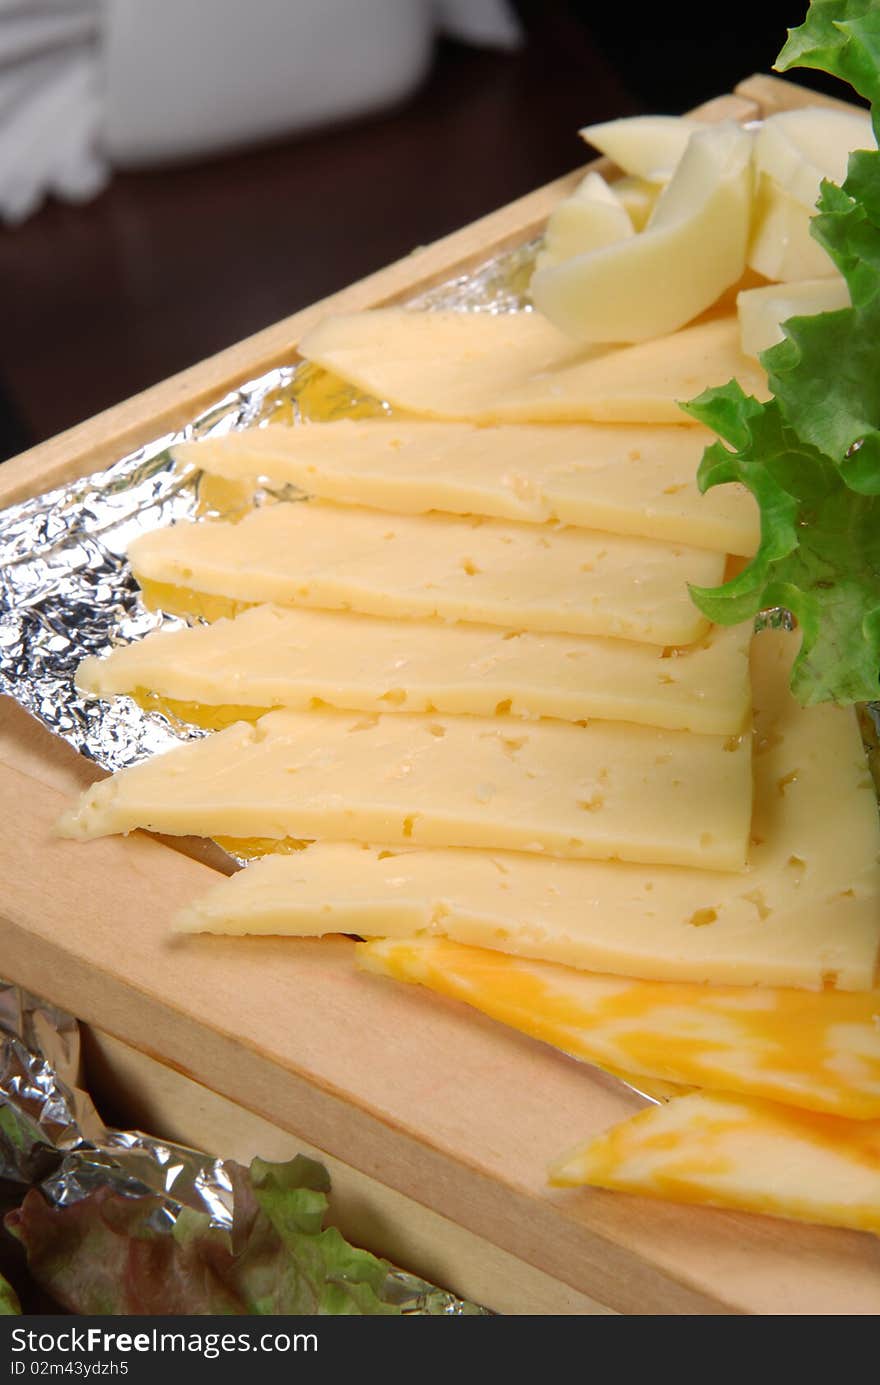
66,589
52,1137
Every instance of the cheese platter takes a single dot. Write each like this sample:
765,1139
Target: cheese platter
430,1114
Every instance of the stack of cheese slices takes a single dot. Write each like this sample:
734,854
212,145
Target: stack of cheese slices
463,702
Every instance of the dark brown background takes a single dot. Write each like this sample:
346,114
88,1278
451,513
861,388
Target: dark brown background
164,268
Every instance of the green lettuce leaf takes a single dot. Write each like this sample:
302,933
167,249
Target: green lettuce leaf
819,554
838,411
112,1254
811,454
841,37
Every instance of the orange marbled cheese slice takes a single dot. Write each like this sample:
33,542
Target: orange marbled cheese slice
742,1153
816,1049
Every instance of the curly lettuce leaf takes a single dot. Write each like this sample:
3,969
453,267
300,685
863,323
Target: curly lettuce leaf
838,410
811,454
819,554
112,1254
285,1205
841,37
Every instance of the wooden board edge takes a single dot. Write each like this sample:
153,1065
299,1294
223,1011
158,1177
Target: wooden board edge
773,94
144,1094
99,441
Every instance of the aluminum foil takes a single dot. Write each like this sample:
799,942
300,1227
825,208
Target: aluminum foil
66,589
52,1137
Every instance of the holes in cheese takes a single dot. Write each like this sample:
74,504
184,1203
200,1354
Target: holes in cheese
819,1050
692,249
608,789
805,913
620,479
516,367
742,1153
519,576
275,657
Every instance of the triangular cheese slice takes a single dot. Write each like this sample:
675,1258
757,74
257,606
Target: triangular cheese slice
816,1049
516,368
605,790
741,1153
616,478
806,912
272,656
520,576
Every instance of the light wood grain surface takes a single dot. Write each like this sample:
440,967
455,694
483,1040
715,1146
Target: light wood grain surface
425,1109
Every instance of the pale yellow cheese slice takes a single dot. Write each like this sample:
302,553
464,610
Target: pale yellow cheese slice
805,913
608,789
739,1152
521,576
515,367
816,1049
620,479
272,656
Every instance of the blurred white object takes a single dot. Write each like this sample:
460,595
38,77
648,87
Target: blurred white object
86,85
50,103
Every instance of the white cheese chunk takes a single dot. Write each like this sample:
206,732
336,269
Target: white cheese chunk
591,216
647,146
781,246
801,147
692,249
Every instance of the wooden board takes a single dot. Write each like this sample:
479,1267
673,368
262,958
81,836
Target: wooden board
436,1122
147,1095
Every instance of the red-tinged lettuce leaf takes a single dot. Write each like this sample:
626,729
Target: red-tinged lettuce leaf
113,1254
9,1304
284,1205
819,554
841,37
